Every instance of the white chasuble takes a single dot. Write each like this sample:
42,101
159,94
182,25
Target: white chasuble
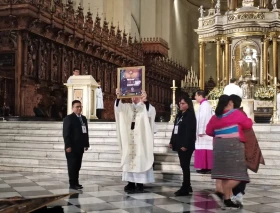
136,146
203,115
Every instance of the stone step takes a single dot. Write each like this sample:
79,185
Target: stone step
59,140
97,171
111,163
91,154
59,154
174,166
58,125
38,147
50,146
60,162
111,125
177,176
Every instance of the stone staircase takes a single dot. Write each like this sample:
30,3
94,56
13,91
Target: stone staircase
38,147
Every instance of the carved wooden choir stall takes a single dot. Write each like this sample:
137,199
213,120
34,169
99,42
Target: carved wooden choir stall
41,42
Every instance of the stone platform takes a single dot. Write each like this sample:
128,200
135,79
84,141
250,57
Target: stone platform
38,147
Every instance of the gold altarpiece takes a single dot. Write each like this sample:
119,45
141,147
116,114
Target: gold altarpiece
243,38
246,41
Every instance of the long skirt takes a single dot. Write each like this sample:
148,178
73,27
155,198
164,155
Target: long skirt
229,160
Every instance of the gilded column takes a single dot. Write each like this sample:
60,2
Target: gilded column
218,58
223,65
265,54
275,56
227,61
263,3
232,4
201,64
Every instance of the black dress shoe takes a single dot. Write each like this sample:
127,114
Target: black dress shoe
75,187
80,185
130,187
139,188
190,189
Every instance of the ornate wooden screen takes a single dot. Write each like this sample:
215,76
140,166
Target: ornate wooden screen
48,41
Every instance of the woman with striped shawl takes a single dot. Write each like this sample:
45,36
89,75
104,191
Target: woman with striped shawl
229,165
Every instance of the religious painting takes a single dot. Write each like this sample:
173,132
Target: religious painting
78,95
131,81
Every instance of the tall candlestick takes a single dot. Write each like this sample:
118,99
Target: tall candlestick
275,115
173,112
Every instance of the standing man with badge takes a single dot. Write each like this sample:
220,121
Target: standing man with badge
76,140
183,141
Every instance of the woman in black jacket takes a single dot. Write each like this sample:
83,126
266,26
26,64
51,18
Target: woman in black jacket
183,141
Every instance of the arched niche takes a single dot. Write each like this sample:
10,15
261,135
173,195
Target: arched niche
246,59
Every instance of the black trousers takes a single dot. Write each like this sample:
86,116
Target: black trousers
240,188
99,113
185,160
74,163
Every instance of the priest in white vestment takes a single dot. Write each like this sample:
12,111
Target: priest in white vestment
204,143
233,89
135,132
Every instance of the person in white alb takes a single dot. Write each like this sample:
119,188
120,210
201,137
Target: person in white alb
204,143
233,89
135,134
99,100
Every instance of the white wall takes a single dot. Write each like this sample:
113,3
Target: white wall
172,20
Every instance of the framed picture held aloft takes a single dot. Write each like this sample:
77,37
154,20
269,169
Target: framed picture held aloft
131,81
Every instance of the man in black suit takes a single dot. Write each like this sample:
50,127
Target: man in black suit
75,134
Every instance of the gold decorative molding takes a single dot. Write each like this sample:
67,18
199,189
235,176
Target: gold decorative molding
208,22
246,16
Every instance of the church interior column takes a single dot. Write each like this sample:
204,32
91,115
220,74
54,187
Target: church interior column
232,4
119,12
227,60
163,19
265,54
201,64
218,55
263,3
148,19
275,56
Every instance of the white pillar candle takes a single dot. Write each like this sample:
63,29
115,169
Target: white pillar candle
173,83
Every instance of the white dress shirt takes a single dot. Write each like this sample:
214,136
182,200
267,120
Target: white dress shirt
233,89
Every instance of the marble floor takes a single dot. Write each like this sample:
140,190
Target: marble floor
105,195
